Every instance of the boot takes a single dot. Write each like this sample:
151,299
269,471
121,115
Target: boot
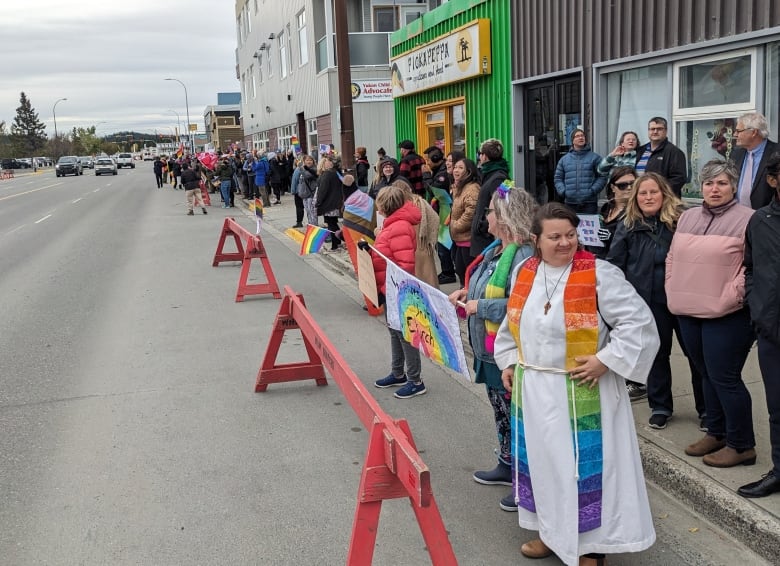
204,211
535,549
706,445
728,457
500,475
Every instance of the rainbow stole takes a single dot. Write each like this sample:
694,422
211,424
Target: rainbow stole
582,333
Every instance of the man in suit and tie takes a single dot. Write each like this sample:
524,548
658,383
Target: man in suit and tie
754,149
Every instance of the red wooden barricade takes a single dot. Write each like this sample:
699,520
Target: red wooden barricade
392,469
254,250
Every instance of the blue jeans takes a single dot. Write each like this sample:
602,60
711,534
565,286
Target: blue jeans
719,347
769,361
224,188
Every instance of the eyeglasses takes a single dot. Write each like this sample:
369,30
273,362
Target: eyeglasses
489,210
623,186
658,129
742,130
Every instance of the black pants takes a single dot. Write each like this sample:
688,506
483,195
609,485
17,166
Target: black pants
277,188
445,258
332,222
298,209
769,362
461,257
159,178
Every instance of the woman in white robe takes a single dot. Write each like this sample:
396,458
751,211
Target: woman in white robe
627,344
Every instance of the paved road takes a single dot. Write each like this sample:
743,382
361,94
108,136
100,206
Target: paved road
131,433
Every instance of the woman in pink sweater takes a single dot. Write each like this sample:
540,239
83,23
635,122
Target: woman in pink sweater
705,287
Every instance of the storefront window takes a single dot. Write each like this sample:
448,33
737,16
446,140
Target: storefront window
703,140
772,102
635,96
458,133
716,82
443,126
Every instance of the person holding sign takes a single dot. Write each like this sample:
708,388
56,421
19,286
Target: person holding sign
397,241
483,299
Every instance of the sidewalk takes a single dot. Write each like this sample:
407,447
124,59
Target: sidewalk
710,492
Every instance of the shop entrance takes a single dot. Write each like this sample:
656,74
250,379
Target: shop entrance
553,111
442,125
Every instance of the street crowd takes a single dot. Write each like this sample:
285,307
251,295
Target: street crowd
566,337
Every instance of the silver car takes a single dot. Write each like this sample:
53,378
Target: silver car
105,165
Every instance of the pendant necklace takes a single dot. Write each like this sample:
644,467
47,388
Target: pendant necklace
549,294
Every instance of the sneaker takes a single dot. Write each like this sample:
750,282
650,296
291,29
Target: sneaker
445,278
297,225
411,389
500,475
508,503
636,391
205,211
390,381
658,421
190,213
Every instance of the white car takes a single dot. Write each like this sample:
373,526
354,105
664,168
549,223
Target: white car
105,165
125,160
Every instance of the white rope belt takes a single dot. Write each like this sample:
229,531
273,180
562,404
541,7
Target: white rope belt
526,365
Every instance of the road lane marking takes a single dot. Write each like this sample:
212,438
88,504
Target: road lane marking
96,190
75,201
42,219
31,191
15,229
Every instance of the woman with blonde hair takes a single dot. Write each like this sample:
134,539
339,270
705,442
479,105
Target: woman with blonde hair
639,249
427,232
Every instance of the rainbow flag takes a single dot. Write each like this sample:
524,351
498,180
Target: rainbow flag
313,239
257,207
180,151
296,145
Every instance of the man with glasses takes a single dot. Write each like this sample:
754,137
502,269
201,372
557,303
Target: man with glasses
753,151
661,156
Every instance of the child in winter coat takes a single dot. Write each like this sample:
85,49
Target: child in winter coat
397,241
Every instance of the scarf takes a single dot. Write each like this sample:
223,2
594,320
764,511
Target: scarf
581,319
496,289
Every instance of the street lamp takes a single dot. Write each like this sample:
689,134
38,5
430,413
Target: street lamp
178,121
187,104
54,113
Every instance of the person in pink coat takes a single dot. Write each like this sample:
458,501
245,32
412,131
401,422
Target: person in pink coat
397,241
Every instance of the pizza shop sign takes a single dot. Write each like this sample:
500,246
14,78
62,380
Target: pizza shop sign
461,54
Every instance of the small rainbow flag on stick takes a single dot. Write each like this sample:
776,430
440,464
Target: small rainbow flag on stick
313,239
295,144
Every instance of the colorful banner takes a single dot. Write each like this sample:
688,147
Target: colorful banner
426,318
374,90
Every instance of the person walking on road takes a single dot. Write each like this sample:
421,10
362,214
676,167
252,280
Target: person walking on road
762,294
575,329
158,171
483,299
190,180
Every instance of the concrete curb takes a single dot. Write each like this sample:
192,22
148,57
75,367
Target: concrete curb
751,525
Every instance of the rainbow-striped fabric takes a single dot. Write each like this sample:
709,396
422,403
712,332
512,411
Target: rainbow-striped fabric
313,239
582,333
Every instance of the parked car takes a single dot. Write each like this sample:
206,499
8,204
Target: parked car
125,160
24,162
9,163
105,165
68,165
87,162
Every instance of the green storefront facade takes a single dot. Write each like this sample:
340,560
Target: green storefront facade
451,75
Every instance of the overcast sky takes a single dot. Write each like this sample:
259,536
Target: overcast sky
109,59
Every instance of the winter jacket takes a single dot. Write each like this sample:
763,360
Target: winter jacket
397,242
278,171
610,162
667,160
704,273
307,186
464,203
190,179
158,167
411,169
261,170
383,181
489,309
494,173
576,177
640,252
362,167
224,171
330,197
762,277
608,229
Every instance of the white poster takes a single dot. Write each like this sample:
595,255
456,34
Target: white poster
588,230
426,318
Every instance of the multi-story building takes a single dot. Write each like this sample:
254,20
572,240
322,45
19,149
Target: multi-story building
223,122
286,64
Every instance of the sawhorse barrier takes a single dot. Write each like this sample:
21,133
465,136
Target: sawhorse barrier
254,250
392,469
6,174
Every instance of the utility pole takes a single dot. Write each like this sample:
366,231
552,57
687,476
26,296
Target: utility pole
345,86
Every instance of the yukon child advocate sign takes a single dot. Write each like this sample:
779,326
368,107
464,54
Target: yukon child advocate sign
461,54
